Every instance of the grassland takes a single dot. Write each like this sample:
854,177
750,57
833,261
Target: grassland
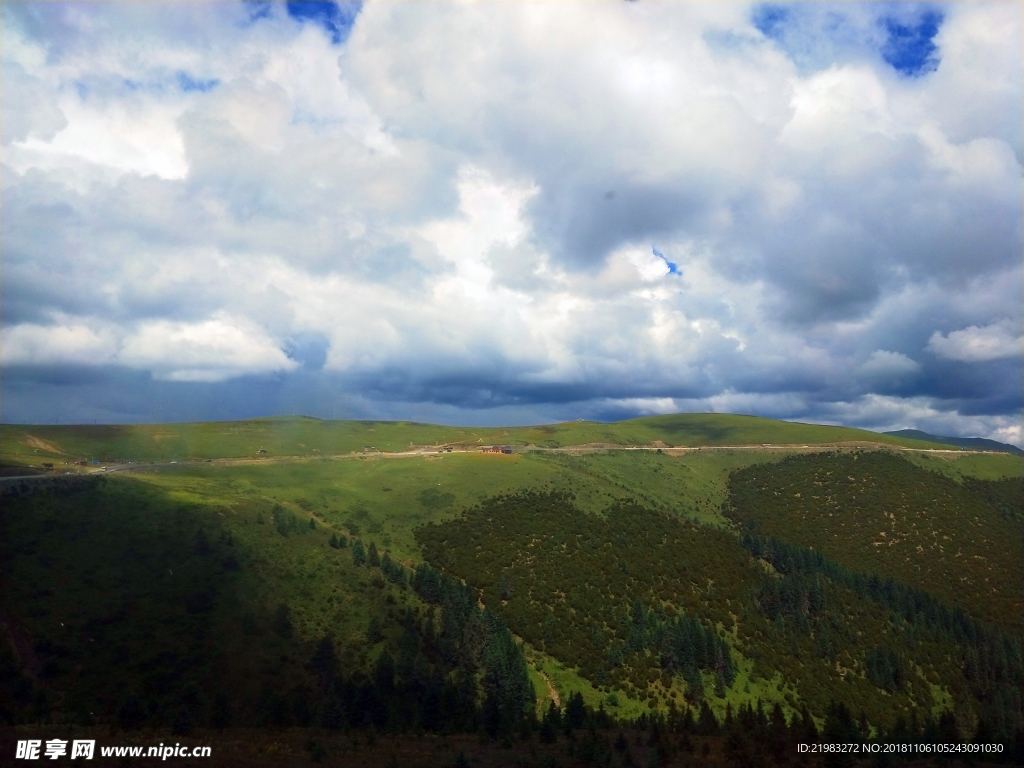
982,466
300,436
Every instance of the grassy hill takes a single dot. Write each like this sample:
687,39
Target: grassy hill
972,443
637,584
301,436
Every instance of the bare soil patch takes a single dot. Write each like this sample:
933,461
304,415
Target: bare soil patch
43,445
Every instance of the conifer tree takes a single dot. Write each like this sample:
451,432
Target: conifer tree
505,589
551,724
325,661
358,553
575,712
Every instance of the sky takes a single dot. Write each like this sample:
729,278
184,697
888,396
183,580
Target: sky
490,213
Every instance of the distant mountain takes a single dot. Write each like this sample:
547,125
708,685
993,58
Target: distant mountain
975,443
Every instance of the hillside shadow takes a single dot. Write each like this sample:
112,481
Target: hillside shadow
707,430
140,609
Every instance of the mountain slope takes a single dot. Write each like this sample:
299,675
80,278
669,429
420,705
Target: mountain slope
877,513
312,592
972,443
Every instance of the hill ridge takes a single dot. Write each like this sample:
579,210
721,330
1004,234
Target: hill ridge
298,435
976,443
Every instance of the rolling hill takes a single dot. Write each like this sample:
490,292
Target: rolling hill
676,604
302,436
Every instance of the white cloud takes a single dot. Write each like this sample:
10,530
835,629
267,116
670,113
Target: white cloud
974,344
885,413
71,344
30,108
851,98
460,204
129,136
981,61
1008,433
213,350
490,216
648,266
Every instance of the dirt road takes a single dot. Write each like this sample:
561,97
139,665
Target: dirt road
436,452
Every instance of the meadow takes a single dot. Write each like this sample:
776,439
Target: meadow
301,436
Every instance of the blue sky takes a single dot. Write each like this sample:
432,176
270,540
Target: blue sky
505,213
335,18
817,35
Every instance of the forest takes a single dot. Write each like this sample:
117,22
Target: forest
576,585
877,513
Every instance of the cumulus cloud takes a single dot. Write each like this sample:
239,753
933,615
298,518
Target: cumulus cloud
216,349
212,350
32,344
511,212
974,344
884,413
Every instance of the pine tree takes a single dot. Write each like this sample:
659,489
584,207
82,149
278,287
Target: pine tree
575,712
325,662
839,728
808,731
358,553
372,556
551,724
374,631
778,733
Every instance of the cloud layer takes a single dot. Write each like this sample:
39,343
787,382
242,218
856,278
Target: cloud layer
512,212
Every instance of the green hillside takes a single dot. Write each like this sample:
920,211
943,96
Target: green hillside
444,594
300,436
649,607
877,513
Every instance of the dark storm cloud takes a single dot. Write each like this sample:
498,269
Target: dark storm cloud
584,225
